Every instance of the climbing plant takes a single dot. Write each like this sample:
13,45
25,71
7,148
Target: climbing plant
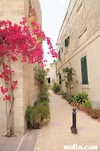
17,41
69,78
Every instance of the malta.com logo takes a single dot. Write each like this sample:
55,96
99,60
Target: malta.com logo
80,147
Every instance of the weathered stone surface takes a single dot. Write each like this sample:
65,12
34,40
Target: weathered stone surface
28,89
82,24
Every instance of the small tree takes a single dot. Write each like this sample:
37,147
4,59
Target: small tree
69,79
41,77
15,41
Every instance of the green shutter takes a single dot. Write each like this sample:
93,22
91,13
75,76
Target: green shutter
62,49
66,42
60,82
59,55
84,70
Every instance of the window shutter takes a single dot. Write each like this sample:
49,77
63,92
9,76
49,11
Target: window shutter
60,82
59,55
62,49
84,70
66,42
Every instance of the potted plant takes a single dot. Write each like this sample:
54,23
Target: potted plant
37,115
99,117
95,113
87,105
64,95
80,99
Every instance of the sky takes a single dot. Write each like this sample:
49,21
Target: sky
53,13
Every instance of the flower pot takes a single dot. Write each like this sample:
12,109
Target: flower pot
73,103
94,117
99,118
77,105
81,107
37,124
86,110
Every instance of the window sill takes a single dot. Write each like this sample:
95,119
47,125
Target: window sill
85,86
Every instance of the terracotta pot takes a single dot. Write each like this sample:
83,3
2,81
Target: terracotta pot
81,107
94,117
78,106
72,103
99,118
86,110
37,124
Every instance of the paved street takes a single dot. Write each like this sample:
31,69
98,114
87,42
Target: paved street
57,134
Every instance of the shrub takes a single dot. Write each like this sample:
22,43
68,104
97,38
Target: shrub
44,95
80,97
28,113
34,112
40,76
87,103
94,113
56,88
39,113
61,92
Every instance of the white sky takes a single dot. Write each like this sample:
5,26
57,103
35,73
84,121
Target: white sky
53,13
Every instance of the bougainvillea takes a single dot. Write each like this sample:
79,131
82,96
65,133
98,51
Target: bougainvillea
18,40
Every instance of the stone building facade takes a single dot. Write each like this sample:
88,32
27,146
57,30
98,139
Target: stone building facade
28,89
78,47
51,73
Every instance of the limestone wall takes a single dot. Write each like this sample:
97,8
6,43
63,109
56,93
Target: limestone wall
28,89
82,25
11,10
53,72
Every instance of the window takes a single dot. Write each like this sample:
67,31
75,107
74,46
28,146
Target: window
81,19
60,82
84,70
62,49
59,55
67,41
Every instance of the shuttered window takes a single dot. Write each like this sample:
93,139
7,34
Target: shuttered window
84,70
59,57
62,49
67,41
60,82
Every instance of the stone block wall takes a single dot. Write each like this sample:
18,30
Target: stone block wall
28,88
81,24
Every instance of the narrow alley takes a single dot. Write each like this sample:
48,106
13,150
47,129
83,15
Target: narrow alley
57,134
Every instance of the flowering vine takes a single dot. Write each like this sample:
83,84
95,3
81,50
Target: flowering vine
17,40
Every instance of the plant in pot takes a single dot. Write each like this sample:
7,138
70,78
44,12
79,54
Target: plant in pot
80,98
73,100
37,115
87,105
99,117
94,113
64,95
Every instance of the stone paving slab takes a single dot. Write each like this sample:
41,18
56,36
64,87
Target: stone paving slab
57,133
9,143
19,143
